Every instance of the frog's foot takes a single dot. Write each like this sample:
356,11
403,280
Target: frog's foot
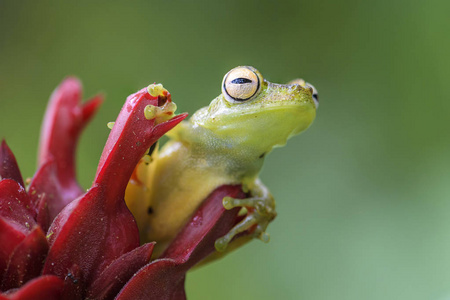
263,205
263,212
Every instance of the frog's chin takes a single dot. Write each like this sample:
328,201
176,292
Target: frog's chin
262,129
304,120
288,119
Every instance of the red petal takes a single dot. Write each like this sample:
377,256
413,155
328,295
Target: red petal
44,287
11,235
128,141
27,260
85,234
43,215
210,222
97,228
74,289
64,120
8,165
47,195
16,219
164,278
112,279
16,215
15,205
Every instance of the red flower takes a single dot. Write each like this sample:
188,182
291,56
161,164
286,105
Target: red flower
59,242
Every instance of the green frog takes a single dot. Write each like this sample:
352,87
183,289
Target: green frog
224,143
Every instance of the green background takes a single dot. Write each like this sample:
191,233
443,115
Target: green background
363,196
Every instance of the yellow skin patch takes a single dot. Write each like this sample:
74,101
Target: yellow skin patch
224,143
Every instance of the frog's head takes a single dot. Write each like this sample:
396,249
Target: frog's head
256,113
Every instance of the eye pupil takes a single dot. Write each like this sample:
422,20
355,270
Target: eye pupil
241,80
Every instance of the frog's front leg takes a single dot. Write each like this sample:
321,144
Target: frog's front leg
261,212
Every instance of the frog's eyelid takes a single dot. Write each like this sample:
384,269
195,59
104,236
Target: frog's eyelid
241,99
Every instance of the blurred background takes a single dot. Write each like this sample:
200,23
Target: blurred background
363,196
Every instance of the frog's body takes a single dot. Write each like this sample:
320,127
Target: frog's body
225,143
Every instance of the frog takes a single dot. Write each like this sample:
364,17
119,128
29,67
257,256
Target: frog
224,143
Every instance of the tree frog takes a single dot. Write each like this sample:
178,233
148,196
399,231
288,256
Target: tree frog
224,143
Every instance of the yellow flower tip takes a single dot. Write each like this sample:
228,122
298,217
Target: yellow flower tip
110,125
147,159
156,89
150,112
160,114
170,107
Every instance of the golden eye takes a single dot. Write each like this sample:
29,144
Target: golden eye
241,84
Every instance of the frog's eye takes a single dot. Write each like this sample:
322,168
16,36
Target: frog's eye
241,84
315,94
313,90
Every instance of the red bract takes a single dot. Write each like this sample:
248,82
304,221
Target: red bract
92,249
164,277
55,185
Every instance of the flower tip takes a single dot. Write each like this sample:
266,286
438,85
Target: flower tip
90,107
71,84
156,89
4,147
8,164
72,80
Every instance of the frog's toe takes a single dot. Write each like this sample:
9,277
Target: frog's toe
264,237
260,231
252,219
263,206
222,243
261,210
229,203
